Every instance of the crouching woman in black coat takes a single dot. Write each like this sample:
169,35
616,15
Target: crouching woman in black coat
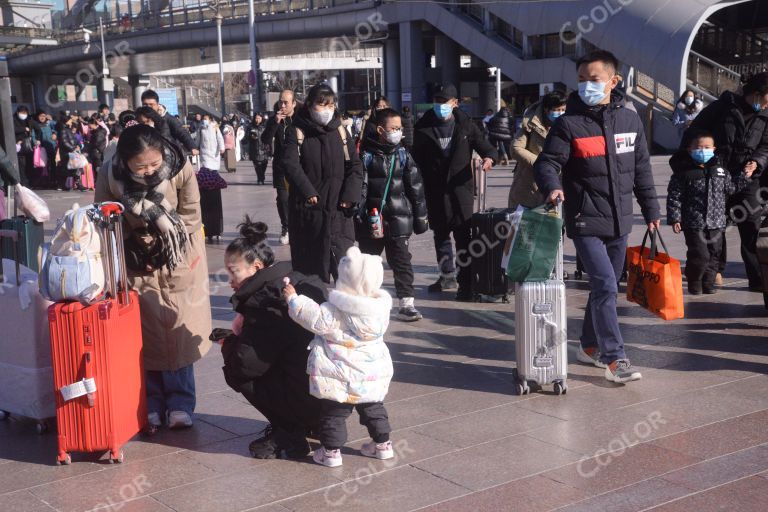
393,186
265,356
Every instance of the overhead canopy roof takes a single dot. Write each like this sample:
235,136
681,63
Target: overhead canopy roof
654,36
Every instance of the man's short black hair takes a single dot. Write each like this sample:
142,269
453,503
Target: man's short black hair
607,58
149,94
103,106
22,108
757,84
553,100
385,114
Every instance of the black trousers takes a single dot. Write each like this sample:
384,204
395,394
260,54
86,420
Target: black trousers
333,422
285,412
261,170
746,212
282,206
447,260
398,258
703,256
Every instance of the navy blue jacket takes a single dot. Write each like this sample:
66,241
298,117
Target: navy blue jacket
602,155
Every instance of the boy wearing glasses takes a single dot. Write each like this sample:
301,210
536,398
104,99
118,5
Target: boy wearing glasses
392,204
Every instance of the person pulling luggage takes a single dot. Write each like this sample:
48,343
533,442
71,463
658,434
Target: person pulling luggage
599,148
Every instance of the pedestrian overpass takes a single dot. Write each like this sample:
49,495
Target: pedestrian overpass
534,42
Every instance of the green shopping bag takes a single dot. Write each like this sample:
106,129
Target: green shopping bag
532,246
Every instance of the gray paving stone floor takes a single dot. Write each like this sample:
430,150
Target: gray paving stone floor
691,435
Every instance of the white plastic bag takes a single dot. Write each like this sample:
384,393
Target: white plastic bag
510,242
31,204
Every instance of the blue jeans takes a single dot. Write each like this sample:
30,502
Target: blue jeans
171,391
603,260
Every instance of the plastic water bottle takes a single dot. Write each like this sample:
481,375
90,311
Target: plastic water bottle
377,228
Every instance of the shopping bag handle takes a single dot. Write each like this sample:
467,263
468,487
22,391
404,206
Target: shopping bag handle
654,250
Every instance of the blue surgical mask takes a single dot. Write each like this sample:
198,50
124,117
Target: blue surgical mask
592,93
443,110
757,106
702,156
205,123
554,115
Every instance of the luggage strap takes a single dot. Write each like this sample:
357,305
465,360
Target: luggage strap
78,389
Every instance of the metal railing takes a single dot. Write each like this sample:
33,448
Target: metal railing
704,73
119,22
730,46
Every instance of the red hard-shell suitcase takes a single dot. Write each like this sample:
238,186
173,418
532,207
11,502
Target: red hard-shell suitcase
97,363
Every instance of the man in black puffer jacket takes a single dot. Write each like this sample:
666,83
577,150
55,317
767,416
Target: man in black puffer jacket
500,132
740,126
392,185
599,148
443,142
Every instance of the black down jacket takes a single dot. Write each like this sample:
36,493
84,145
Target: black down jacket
741,134
269,358
274,136
321,233
696,194
405,211
603,157
500,126
97,143
448,182
407,120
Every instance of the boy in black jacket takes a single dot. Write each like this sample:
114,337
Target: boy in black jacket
696,205
393,186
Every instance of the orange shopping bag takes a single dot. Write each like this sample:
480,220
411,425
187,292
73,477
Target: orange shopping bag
654,279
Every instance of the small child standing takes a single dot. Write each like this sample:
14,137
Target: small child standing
696,205
392,185
349,364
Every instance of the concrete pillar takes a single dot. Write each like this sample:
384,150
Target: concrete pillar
447,59
333,81
138,85
412,63
391,73
7,135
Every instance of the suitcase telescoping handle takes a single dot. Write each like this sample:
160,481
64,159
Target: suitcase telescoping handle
482,184
14,236
112,214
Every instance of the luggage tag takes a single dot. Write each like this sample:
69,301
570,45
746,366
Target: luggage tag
78,389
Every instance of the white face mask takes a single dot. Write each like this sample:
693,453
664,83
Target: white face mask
689,100
322,117
394,137
23,117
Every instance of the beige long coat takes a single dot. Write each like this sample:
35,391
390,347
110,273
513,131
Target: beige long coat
175,308
528,143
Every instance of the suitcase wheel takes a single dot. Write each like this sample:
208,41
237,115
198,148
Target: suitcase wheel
578,275
116,458
561,388
66,461
4,415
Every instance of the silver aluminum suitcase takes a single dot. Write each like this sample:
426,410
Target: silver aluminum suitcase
541,338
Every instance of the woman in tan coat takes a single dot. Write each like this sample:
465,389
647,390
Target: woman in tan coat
528,143
167,265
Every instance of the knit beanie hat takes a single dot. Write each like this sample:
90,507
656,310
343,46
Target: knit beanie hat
360,274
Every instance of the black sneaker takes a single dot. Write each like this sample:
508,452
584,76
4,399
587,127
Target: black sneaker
409,314
463,295
265,447
694,288
442,284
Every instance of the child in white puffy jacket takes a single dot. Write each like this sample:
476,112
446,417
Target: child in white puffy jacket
349,364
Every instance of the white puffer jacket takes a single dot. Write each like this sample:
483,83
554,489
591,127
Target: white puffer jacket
349,361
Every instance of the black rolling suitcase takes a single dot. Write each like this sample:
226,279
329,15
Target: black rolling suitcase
212,212
490,228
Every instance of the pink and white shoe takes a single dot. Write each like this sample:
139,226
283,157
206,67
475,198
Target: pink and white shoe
328,458
381,451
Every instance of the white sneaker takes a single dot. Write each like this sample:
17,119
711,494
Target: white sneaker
381,451
284,238
621,371
328,458
589,356
407,311
154,420
179,419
